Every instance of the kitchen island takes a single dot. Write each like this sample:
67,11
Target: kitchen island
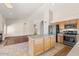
41,43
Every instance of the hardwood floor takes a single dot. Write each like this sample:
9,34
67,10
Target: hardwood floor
59,50
21,49
64,51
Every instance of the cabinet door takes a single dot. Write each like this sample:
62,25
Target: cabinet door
61,25
77,38
46,43
77,24
38,46
60,38
53,41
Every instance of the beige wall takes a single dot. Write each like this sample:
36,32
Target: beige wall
1,23
59,12
64,11
18,28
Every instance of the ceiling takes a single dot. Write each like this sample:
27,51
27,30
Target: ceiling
65,11
25,10
19,10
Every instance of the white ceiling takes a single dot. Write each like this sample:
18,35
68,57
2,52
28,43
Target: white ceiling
19,10
65,11
25,10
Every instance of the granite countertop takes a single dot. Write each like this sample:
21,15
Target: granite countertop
39,36
66,34
75,50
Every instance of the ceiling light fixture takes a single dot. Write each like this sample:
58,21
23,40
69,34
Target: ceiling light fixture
8,5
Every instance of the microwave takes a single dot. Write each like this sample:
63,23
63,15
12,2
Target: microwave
70,26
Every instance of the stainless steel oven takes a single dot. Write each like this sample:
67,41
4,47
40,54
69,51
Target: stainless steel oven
0,37
70,38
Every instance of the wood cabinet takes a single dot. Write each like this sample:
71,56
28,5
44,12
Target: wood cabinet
77,38
61,26
60,38
47,42
77,24
39,45
53,41
62,23
36,46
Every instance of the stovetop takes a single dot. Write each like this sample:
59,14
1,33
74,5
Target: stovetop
71,32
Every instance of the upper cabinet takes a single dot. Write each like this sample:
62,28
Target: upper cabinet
78,24
69,24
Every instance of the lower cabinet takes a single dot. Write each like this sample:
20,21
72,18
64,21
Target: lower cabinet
53,41
77,38
60,38
47,42
38,46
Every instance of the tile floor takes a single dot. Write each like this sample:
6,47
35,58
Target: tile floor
21,49
53,51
